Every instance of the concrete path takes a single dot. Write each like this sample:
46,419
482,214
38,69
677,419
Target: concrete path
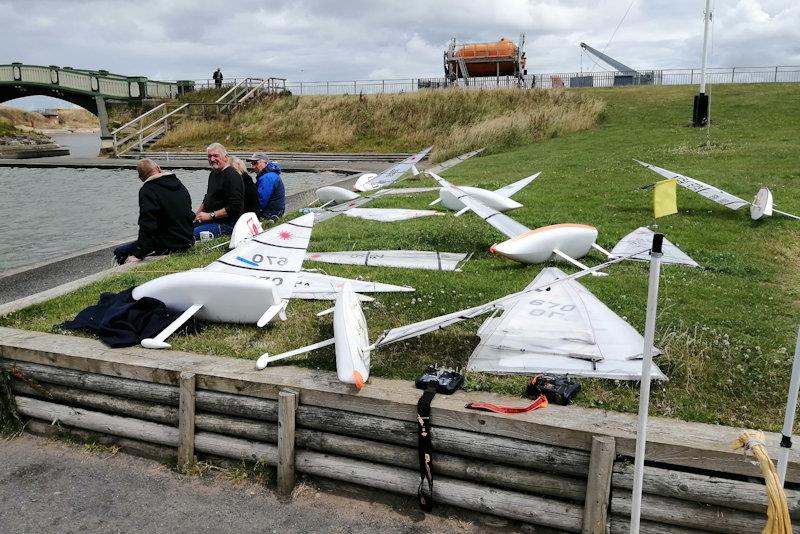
52,486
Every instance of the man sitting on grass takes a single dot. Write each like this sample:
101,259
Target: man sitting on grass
271,192
224,199
165,215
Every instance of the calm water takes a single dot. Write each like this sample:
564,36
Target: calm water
81,145
48,213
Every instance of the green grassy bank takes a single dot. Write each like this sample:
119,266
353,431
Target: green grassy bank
453,121
727,330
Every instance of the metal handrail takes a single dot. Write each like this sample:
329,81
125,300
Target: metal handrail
138,135
139,118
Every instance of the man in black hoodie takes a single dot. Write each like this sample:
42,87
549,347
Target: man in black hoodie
165,215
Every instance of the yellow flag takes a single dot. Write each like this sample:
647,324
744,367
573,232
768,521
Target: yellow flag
665,198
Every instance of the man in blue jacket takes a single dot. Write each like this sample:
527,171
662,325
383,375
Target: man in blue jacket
271,192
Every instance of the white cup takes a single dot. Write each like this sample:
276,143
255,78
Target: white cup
206,236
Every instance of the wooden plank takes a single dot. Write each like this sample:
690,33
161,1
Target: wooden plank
545,458
125,427
521,507
124,387
287,407
236,448
669,441
691,515
502,476
737,494
598,486
130,446
149,411
186,420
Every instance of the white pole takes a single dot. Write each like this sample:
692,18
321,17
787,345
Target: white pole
707,21
644,389
788,418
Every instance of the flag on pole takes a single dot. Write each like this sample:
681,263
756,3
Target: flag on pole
665,200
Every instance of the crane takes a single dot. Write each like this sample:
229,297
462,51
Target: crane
628,75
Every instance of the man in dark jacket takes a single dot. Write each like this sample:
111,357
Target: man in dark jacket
271,191
165,215
224,200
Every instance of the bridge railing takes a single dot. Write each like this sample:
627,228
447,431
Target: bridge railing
100,83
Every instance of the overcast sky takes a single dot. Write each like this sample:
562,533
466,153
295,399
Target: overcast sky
309,40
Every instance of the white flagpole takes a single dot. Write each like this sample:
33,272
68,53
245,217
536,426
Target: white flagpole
644,389
788,418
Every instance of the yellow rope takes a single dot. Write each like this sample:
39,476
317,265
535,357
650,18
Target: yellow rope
778,521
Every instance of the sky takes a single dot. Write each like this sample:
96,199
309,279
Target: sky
318,40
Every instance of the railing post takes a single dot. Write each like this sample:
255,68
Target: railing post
383,86
301,88
186,405
733,73
598,485
287,407
775,80
327,88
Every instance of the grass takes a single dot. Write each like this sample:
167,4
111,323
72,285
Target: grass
727,330
454,121
68,118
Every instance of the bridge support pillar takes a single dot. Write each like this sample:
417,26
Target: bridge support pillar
106,141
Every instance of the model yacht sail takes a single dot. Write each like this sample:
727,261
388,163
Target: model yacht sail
762,205
640,238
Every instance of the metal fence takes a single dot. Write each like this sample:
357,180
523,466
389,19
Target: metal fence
779,74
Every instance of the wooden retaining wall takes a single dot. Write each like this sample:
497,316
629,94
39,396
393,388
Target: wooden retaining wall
566,468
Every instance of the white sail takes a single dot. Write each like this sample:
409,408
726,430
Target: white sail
701,188
512,189
407,259
565,330
317,286
640,239
275,254
390,214
436,323
505,224
443,166
393,173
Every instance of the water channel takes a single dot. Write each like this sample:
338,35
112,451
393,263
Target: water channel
48,213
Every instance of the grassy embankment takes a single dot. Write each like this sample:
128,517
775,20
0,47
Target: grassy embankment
453,121
68,118
727,330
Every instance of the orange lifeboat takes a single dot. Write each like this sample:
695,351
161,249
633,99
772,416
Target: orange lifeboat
491,59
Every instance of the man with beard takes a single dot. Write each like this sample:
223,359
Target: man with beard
224,199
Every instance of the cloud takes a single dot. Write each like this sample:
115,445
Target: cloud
306,40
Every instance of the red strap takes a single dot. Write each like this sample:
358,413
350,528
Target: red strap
540,402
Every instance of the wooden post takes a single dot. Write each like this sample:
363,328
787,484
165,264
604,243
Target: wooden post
186,420
287,408
598,486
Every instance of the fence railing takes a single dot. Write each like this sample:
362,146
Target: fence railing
776,74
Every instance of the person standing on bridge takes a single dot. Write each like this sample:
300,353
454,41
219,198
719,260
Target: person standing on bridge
165,215
271,192
224,199
217,78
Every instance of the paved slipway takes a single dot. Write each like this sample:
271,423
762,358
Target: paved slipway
52,486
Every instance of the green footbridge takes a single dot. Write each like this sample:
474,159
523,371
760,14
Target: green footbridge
88,89
92,90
